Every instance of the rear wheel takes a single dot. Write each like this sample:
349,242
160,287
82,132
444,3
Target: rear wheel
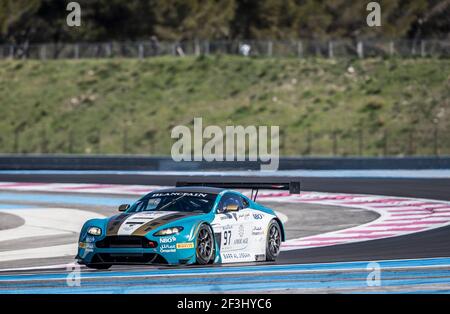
98,266
205,250
273,242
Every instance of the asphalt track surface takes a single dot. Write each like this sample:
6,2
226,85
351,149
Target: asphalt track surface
438,189
424,245
427,244
434,243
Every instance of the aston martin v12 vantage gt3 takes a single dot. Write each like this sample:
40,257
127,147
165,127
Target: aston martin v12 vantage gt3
192,224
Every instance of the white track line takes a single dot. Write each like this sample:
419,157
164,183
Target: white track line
40,252
51,222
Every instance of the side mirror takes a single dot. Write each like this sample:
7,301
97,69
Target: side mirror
124,207
231,208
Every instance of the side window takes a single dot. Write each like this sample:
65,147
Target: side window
245,203
229,199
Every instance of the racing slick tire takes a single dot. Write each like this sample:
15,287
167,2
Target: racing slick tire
273,242
98,266
205,245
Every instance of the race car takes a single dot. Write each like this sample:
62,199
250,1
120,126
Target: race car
189,224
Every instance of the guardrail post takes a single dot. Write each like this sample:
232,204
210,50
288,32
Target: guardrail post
423,52
43,52
108,50
330,50
360,49
269,48
174,49
197,48
141,51
206,44
391,48
11,51
76,51
300,49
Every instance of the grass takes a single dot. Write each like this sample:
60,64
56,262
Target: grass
323,107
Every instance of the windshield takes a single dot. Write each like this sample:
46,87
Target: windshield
175,201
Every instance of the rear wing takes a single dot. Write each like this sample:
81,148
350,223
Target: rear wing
293,186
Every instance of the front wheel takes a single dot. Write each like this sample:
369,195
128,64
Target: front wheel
273,242
205,251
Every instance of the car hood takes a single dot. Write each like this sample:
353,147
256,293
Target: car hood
141,223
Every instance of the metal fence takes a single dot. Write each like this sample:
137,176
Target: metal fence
417,141
343,48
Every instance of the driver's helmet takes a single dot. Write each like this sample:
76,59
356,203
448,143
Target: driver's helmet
229,201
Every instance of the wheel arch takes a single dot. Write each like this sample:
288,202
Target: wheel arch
283,236
215,243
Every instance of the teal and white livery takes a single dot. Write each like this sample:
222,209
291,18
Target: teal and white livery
189,224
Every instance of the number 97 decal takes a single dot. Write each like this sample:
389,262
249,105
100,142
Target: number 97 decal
227,237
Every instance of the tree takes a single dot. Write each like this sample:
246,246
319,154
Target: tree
193,19
15,16
31,21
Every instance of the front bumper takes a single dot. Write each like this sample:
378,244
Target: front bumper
171,250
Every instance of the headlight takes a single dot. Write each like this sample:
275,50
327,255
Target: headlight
168,231
95,231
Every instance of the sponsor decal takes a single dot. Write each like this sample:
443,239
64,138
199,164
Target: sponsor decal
240,241
90,239
169,239
244,215
86,246
235,256
241,231
168,248
227,227
185,245
258,216
257,231
179,194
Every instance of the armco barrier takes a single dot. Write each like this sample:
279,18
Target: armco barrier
123,162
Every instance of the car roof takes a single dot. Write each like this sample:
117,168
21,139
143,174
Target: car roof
193,189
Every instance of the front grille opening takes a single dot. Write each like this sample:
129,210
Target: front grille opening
125,242
130,258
